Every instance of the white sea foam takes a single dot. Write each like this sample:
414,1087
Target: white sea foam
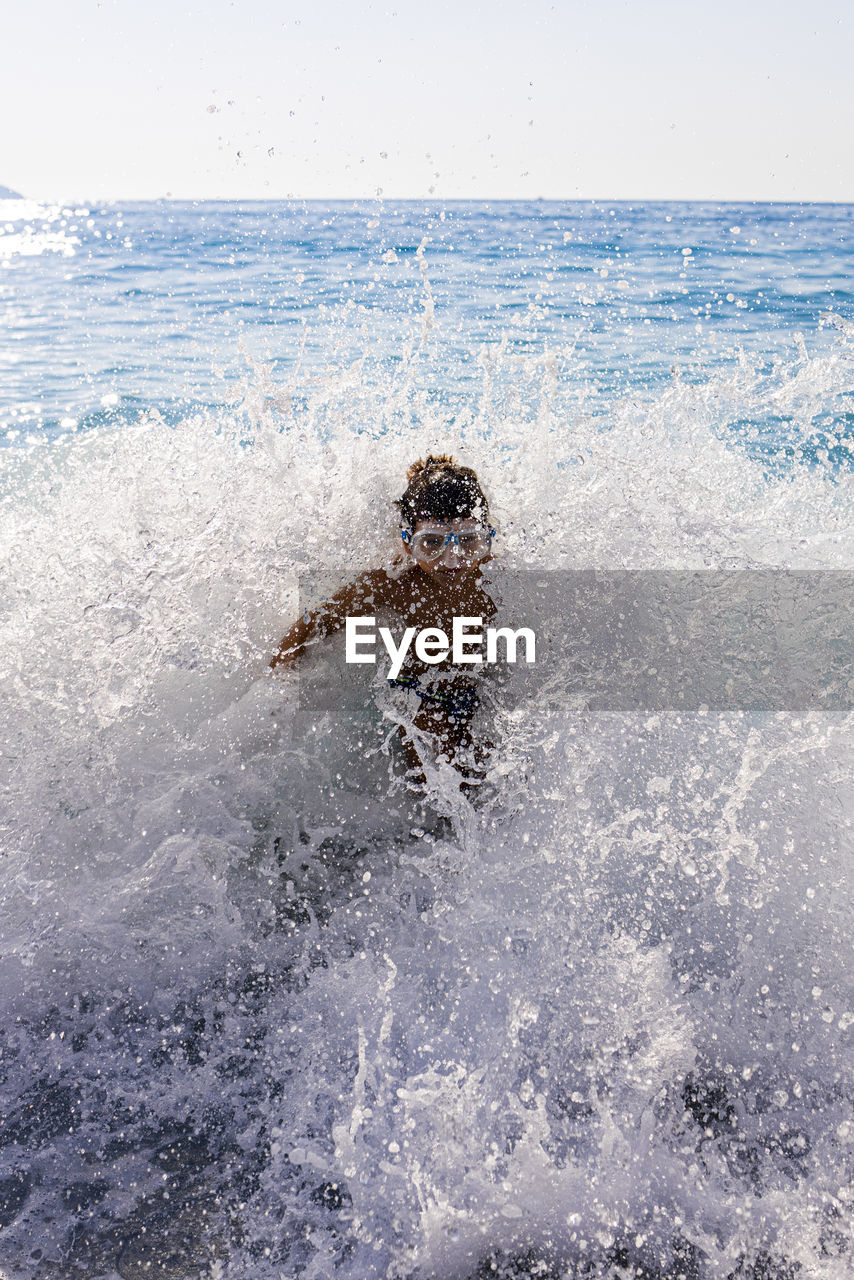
597,1018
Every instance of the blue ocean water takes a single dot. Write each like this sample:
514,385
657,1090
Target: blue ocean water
110,310
267,1011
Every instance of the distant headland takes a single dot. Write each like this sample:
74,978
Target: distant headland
6,193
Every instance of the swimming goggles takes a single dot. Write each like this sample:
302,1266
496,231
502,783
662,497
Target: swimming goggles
430,544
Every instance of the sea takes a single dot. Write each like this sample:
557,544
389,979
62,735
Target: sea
269,1007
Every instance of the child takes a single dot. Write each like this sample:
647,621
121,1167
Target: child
446,538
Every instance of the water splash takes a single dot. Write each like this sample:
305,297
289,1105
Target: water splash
265,1011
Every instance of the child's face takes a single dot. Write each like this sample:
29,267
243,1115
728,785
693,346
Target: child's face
449,551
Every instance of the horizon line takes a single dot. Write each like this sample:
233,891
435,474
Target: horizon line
430,199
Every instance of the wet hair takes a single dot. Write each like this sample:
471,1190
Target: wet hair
439,489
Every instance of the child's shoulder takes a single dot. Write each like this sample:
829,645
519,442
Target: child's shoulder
377,589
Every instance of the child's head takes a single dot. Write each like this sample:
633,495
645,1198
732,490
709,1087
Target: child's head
440,490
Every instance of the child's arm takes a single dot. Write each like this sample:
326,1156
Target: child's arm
323,622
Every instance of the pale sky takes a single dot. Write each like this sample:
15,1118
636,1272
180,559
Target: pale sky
619,99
